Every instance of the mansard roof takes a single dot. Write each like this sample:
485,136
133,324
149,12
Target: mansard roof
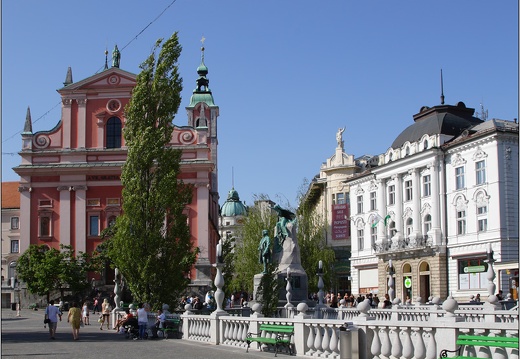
438,120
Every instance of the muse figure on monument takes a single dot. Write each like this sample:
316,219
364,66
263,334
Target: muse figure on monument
264,249
286,247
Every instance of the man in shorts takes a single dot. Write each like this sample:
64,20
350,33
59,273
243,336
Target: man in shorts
52,313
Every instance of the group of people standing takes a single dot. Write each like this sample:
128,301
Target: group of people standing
77,316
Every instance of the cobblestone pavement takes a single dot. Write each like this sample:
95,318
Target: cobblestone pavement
25,337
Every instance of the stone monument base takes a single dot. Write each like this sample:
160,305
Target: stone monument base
299,284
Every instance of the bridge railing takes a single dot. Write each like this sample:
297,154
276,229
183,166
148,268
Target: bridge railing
420,331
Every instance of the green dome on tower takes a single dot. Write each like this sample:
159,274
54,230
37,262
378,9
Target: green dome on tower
233,206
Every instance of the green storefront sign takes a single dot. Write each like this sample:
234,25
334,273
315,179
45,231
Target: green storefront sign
474,269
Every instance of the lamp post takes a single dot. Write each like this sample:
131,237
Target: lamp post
17,290
288,288
390,280
320,282
492,299
219,281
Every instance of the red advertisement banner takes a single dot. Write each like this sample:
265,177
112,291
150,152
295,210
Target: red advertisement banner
340,221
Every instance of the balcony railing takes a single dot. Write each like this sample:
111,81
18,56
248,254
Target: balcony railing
403,244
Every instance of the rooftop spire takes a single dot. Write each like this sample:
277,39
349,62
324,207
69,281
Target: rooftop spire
442,90
202,70
27,128
202,49
106,59
68,77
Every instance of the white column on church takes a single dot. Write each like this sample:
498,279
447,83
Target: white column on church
81,218
65,232
82,122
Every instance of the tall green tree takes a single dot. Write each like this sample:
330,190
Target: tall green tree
45,270
152,245
247,262
313,246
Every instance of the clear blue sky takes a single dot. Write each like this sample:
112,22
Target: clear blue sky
285,74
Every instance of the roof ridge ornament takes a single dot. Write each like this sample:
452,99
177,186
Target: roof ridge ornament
442,90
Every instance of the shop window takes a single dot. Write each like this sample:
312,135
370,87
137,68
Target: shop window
472,273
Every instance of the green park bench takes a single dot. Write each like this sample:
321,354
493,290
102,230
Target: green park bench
171,326
274,334
479,341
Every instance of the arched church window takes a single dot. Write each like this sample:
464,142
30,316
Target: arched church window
113,133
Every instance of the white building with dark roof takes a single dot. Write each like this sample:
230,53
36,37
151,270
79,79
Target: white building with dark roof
441,195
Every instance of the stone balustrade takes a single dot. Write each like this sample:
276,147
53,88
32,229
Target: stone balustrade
406,332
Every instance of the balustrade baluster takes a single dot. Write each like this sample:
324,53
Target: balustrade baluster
408,349
497,353
431,349
334,342
317,341
386,347
375,348
326,341
420,348
240,334
310,341
226,332
235,333
397,346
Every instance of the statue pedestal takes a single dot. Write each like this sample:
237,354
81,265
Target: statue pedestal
299,283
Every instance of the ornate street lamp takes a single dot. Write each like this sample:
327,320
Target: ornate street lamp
391,273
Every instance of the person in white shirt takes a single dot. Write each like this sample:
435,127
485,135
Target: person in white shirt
52,313
142,318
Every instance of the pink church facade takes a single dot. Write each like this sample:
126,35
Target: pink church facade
70,187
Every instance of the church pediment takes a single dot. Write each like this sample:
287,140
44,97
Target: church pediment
111,78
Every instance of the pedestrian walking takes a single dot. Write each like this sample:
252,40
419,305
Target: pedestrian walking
105,310
74,318
86,314
52,313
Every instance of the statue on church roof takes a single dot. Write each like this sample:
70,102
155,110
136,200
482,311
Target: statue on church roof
116,56
339,137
